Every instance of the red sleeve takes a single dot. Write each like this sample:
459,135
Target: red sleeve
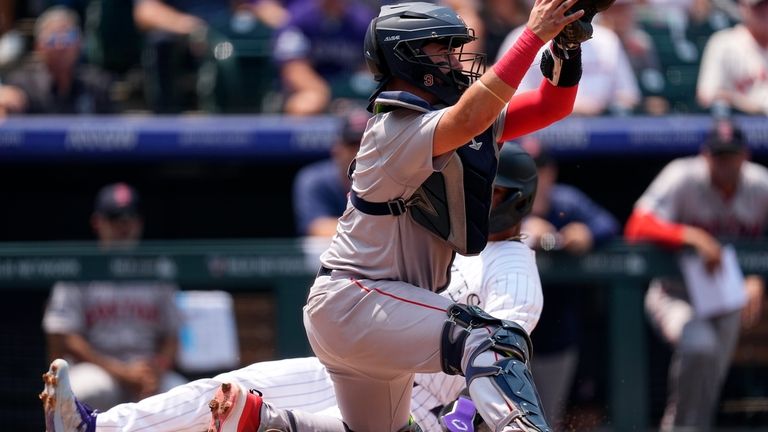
644,225
536,109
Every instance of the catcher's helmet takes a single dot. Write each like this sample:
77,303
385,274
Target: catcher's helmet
393,48
516,174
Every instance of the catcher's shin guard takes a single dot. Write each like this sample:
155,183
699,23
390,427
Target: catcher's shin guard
510,375
515,382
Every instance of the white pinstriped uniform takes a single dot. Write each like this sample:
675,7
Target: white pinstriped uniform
503,280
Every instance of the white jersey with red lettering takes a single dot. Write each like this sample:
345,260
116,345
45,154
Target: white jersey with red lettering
733,63
121,319
503,280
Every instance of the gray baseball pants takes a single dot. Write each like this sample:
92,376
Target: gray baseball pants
702,351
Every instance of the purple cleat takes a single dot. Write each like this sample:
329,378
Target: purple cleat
63,412
459,417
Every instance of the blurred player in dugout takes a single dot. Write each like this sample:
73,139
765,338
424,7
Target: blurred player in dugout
702,202
320,189
120,336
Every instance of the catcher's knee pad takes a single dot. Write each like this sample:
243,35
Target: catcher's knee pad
466,318
508,338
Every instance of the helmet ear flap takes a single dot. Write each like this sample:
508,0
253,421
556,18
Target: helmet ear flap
377,64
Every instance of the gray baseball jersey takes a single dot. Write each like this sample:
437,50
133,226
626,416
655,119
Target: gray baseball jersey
389,166
683,193
122,319
503,279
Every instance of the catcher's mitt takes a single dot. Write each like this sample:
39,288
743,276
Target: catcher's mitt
581,30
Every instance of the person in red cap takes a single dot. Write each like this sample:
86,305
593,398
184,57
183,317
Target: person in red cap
120,337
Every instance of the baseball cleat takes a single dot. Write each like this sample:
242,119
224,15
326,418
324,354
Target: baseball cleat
63,412
235,410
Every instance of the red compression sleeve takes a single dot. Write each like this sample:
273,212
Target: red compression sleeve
515,63
537,109
644,225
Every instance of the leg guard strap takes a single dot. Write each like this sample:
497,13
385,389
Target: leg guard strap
452,347
509,340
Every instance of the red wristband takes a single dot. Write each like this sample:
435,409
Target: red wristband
515,63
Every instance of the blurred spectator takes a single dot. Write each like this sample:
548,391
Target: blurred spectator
563,218
679,31
641,52
318,54
274,13
470,12
7,15
668,8
500,17
120,336
607,86
705,17
207,55
734,67
55,81
77,6
11,41
13,100
701,202
112,40
320,189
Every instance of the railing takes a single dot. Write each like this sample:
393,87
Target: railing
284,266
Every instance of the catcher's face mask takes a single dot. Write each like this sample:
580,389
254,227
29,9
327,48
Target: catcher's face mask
441,66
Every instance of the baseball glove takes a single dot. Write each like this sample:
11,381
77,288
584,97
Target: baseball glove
581,30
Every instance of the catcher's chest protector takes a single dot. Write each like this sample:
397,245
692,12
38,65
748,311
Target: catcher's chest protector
454,203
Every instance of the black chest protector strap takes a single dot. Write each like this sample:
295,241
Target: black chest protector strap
395,207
